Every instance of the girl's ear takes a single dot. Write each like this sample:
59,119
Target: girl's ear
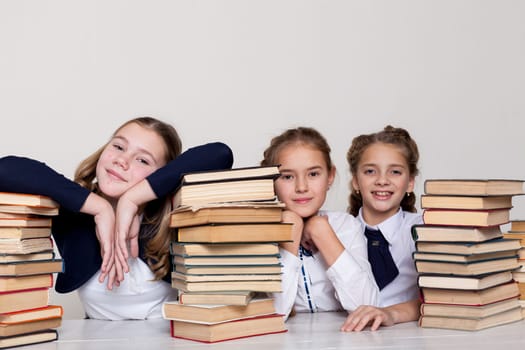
354,184
411,183
331,176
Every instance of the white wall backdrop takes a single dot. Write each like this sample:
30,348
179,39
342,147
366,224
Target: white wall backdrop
450,71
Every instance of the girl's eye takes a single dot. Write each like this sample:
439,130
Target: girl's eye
286,177
368,171
143,161
118,147
397,172
314,173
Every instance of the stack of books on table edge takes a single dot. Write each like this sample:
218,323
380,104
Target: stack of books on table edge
27,264
464,263
517,231
226,257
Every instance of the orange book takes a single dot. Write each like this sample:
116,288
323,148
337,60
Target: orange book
24,300
41,313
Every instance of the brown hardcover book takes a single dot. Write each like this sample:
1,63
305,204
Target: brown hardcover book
225,278
32,267
8,284
470,297
255,172
514,235
458,217
517,225
229,270
468,311
437,233
216,313
466,202
473,187
225,260
236,233
28,339
25,246
210,333
466,269
214,249
47,255
33,200
465,283
471,324
466,248
224,191
464,258
24,232
216,298
26,222
27,210
221,286
50,311
224,214
23,299
10,329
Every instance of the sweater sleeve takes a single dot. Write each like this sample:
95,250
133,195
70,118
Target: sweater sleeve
210,156
25,175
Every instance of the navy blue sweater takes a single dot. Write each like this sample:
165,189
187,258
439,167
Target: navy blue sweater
74,232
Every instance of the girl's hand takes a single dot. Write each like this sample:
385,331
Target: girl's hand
127,232
104,217
366,315
291,217
314,225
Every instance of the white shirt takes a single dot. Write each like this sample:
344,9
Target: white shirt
398,232
138,297
345,285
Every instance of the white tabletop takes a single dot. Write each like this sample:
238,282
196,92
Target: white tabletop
305,331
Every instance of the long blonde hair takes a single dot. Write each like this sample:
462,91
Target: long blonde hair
156,213
389,135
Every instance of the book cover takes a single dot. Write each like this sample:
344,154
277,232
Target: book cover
223,249
226,260
209,314
467,248
473,187
28,339
459,217
23,299
445,257
229,270
470,297
25,246
32,267
49,311
242,328
468,268
33,200
221,286
236,233
439,233
226,213
517,225
25,222
25,282
465,202
11,329
465,282
27,210
217,278
24,232
216,298
471,324
46,255
254,172
468,311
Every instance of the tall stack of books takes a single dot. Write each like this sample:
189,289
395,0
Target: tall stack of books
464,263
226,256
517,231
27,264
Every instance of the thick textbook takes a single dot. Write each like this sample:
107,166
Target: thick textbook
465,282
471,324
229,269
28,210
459,217
28,338
226,260
465,202
270,286
468,311
438,233
47,255
466,268
25,246
467,248
470,297
210,333
28,221
232,277
33,200
473,187
24,232
16,328
223,249
49,311
23,299
216,298
271,171
471,258
8,284
32,267
236,233
227,213
174,310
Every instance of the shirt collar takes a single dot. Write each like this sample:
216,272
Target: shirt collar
389,227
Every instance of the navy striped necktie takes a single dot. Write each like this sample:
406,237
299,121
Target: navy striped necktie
383,266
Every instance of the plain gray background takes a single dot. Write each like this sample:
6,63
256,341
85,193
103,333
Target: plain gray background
451,72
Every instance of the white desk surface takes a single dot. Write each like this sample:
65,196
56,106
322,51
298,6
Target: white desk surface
305,331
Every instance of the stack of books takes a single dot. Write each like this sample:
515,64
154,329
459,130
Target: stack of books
464,263
226,255
517,231
27,264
